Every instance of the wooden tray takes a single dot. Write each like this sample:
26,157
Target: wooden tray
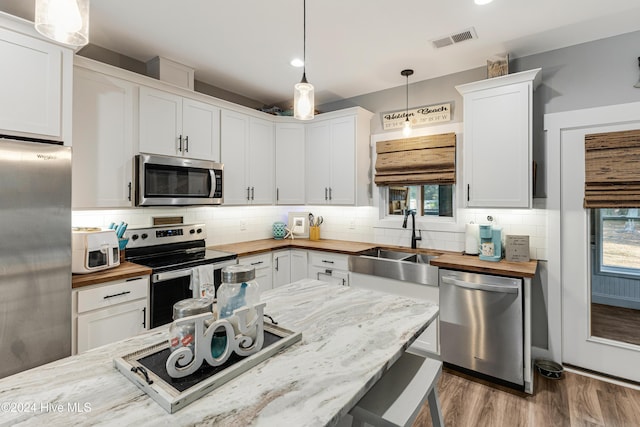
174,394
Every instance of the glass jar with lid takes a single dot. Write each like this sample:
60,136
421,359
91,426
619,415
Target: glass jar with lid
238,289
183,335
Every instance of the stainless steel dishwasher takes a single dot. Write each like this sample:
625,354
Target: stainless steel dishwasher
481,324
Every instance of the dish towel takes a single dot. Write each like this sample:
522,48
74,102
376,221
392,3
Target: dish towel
202,283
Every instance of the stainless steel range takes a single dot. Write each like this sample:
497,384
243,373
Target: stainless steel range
179,259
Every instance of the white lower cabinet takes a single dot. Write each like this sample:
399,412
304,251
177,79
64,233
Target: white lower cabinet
289,266
428,341
109,312
329,267
263,266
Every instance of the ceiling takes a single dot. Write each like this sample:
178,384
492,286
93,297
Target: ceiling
353,46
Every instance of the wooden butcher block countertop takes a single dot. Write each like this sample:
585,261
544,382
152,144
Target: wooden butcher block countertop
266,245
125,270
476,265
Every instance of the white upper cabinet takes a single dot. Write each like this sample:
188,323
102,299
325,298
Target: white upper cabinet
498,140
35,83
247,151
290,147
172,125
338,158
103,111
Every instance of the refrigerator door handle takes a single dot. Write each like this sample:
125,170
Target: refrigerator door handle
480,286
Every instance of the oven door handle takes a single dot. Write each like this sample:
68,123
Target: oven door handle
170,275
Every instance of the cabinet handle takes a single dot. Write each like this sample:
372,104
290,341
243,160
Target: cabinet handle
180,143
277,194
325,193
186,144
248,189
330,198
129,191
117,295
259,262
144,317
277,263
468,191
328,262
252,193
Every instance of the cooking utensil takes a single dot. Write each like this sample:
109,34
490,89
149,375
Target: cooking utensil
319,221
310,220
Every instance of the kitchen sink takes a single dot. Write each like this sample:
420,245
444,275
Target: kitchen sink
387,254
404,266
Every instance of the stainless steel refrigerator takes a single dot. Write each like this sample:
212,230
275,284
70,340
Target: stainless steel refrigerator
35,254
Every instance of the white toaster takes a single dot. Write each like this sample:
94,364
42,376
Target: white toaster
94,250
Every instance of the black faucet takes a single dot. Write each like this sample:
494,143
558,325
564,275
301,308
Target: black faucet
414,239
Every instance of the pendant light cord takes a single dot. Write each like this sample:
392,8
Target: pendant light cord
304,39
407,97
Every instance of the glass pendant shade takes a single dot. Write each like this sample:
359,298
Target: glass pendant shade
303,102
65,21
406,128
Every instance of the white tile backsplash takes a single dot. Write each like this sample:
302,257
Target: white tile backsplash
223,224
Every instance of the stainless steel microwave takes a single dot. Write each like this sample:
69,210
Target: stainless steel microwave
177,181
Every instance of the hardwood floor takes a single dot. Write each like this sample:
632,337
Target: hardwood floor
616,323
574,400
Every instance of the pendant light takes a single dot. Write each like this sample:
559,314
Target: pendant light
65,21
406,128
638,84
303,103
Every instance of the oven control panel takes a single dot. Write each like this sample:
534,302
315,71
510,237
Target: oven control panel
160,235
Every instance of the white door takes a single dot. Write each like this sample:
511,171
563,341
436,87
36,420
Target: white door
290,164
260,162
281,268
201,128
112,324
102,140
318,155
579,347
160,122
234,134
343,161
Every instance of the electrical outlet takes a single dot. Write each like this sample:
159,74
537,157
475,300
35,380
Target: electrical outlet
243,225
352,224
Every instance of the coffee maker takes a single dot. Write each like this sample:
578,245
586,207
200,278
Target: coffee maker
490,243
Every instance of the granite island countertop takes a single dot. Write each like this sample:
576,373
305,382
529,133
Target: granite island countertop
350,337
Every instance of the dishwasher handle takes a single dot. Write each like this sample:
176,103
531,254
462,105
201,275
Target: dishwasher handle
480,286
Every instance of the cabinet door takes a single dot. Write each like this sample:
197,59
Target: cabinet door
264,271
201,130
290,164
234,134
31,85
260,161
343,161
111,324
281,268
318,162
160,122
497,170
103,140
299,261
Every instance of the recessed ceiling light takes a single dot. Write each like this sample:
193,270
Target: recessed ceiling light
297,62
481,2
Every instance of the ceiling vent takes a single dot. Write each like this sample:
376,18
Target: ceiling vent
454,38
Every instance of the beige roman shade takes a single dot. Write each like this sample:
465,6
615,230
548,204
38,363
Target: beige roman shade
420,160
612,169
